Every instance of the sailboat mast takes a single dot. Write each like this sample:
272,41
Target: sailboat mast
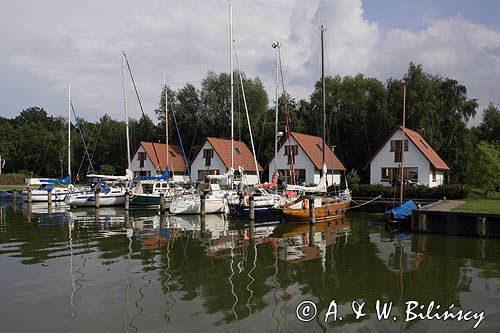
166,118
403,144
323,94
126,111
276,46
69,131
232,83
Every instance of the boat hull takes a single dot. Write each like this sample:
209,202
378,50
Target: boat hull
42,195
193,206
88,200
244,210
329,211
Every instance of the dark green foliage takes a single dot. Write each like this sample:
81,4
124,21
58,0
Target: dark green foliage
360,114
448,191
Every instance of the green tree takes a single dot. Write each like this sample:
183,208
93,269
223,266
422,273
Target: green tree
485,169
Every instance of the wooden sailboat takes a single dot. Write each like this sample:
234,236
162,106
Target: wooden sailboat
325,208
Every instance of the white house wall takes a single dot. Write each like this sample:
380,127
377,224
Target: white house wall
199,162
336,177
148,166
302,161
413,158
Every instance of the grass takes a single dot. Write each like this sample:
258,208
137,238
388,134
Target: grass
12,187
477,203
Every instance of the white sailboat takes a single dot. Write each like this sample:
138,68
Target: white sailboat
44,185
111,190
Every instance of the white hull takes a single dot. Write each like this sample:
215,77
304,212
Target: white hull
87,199
192,205
42,195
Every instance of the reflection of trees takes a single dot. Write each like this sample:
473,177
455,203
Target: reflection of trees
189,264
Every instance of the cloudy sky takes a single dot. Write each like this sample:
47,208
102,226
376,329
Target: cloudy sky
47,43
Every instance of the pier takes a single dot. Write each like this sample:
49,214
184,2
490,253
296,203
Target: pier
438,218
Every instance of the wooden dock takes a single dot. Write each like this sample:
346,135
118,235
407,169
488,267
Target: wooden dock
438,218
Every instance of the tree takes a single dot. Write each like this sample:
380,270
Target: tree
490,125
485,170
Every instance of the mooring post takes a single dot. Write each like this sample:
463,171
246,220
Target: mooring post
49,196
312,212
127,200
481,226
422,222
312,233
14,197
96,196
251,204
162,202
30,195
202,204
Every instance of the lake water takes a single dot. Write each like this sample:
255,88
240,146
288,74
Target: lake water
117,271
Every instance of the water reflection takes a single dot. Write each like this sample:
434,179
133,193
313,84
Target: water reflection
140,271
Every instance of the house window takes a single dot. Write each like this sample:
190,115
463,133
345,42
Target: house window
203,173
319,147
396,145
433,173
299,176
238,150
172,154
396,148
208,154
393,174
411,174
141,157
294,149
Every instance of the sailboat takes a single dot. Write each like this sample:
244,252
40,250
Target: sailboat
147,189
326,208
111,190
404,211
44,185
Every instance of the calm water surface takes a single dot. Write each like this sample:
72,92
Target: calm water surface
78,271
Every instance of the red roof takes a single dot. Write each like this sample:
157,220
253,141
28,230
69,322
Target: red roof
242,155
424,147
312,146
175,159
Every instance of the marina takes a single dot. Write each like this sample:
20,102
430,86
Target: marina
303,166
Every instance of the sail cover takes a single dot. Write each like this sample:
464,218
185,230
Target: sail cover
402,212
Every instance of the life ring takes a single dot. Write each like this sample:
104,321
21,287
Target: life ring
305,203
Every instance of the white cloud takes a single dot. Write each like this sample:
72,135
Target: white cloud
82,42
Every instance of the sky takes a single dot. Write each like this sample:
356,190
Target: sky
46,44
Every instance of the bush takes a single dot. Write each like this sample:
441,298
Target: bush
13,178
450,191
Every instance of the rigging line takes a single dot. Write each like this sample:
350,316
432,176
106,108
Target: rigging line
288,130
83,157
77,125
182,145
142,109
246,111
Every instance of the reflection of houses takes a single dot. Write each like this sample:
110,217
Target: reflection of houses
421,163
145,161
214,158
305,152
397,254
303,242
